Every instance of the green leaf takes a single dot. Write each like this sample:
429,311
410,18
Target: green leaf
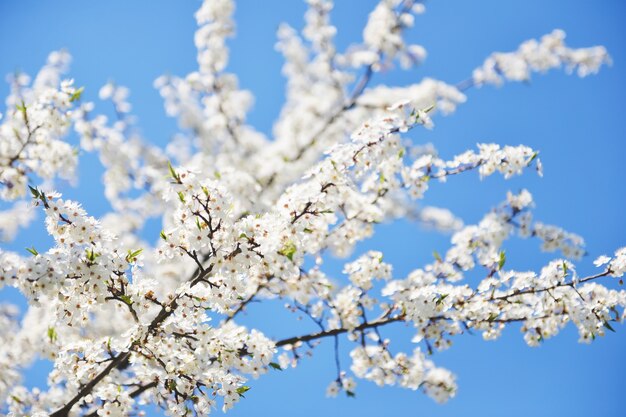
35,192
131,256
276,366
92,255
170,384
33,251
608,326
492,317
21,107
350,394
126,299
307,230
502,260
441,298
243,389
532,158
181,196
77,94
564,269
163,235
173,172
437,256
429,108
52,334
38,195
288,250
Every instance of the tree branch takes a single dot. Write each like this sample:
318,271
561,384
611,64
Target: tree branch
335,332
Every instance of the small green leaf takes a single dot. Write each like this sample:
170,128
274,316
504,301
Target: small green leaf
608,326
52,334
132,255
21,107
243,389
288,250
163,235
181,196
76,95
564,269
276,366
350,394
35,192
441,298
92,255
173,172
33,251
126,299
502,260
429,108
38,195
170,384
437,256
307,230
492,317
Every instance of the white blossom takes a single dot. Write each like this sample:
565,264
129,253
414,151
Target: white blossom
250,219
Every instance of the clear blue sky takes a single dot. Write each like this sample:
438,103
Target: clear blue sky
577,124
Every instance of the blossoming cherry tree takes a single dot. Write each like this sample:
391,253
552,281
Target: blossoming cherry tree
129,320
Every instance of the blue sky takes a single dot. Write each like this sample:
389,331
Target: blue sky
576,123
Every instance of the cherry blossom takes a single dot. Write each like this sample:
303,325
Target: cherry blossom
247,218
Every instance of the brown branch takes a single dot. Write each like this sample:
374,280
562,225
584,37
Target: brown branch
540,290
165,312
87,388
334,332
136,393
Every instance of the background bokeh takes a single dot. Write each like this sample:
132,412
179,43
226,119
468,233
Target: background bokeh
578,124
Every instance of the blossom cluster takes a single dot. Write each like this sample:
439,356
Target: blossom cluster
32,130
